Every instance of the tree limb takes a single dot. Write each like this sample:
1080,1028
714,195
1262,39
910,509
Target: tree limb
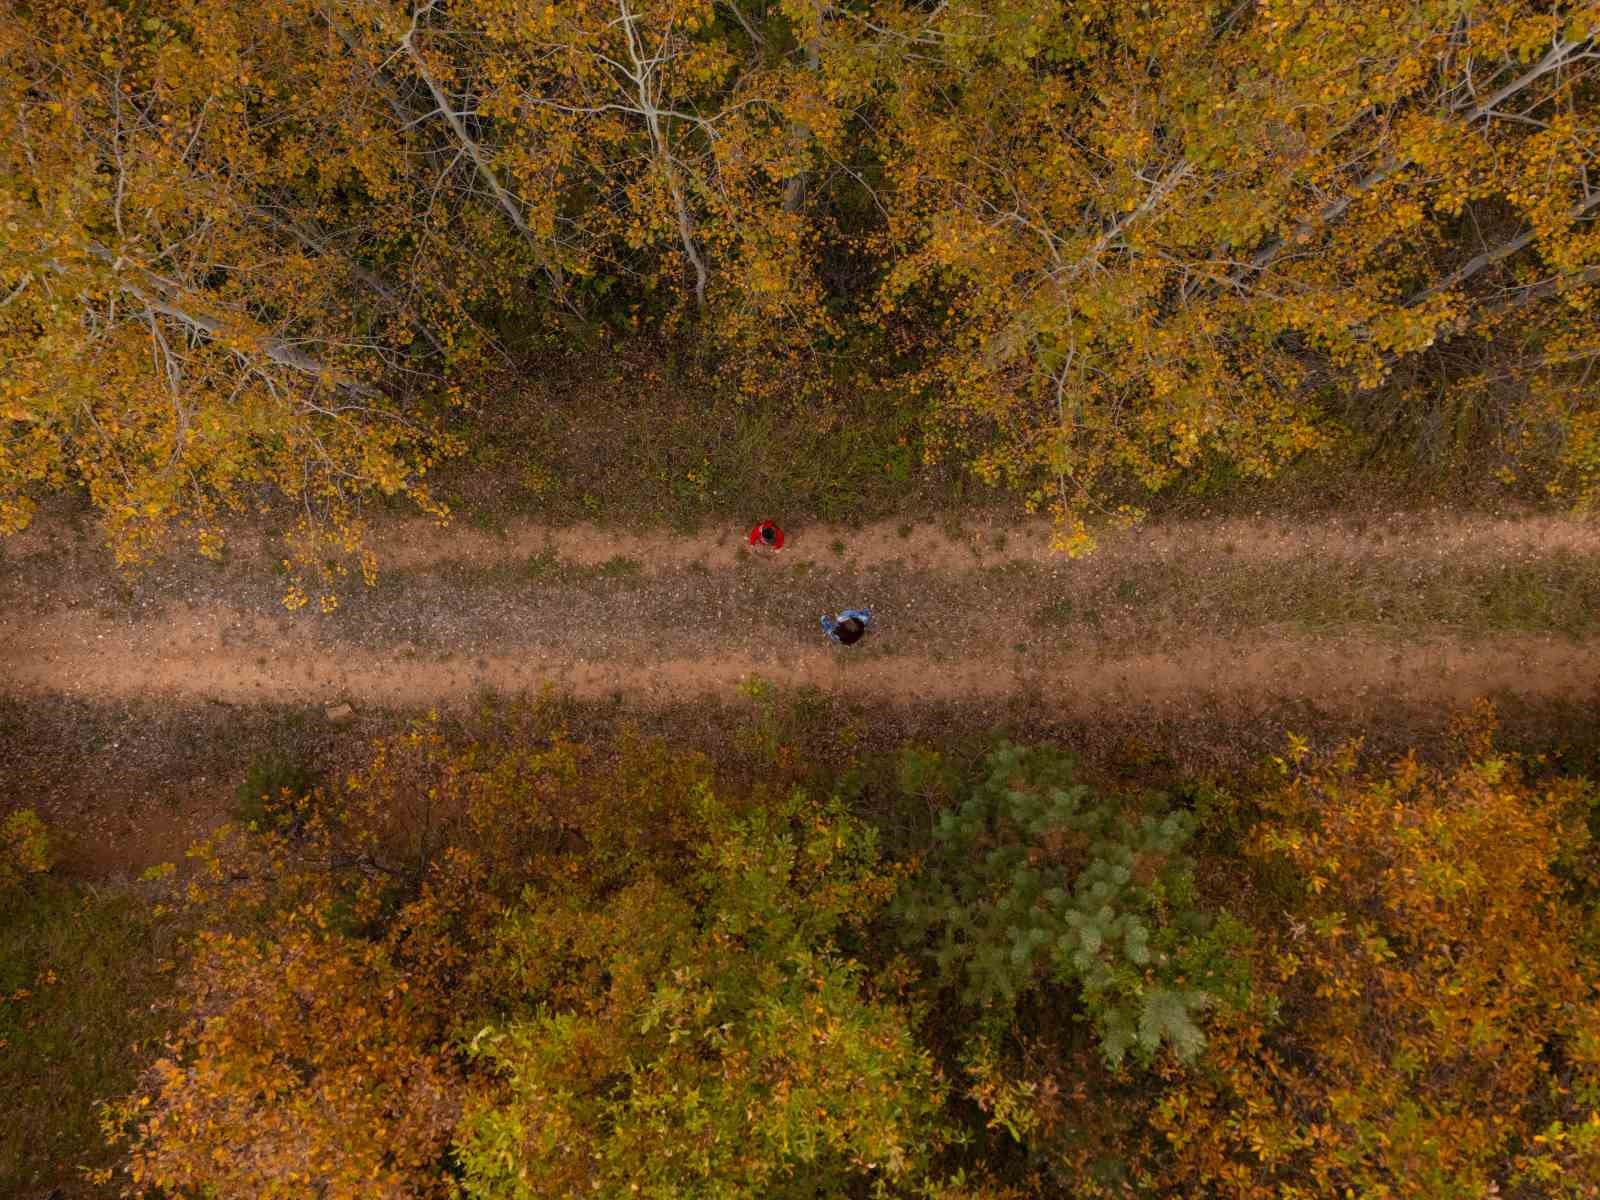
794,188
508,203
156,296
22,286
1489,257
643,70
1560,54
366,277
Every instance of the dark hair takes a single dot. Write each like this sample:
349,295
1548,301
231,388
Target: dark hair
849,631
769,532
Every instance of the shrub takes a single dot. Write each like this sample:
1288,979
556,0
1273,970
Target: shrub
270,780
501,970
1036,880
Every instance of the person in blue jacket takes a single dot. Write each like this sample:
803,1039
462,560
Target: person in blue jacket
849,627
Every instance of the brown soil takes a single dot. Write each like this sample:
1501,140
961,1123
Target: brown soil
1168,622
218,653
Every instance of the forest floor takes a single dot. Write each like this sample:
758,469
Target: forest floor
130,708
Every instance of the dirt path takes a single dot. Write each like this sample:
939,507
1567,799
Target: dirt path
123,703
1426,608
221,654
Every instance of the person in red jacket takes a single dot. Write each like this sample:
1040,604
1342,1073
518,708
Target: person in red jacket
766,536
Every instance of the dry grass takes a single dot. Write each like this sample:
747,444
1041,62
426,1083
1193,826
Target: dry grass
630,438
1554,593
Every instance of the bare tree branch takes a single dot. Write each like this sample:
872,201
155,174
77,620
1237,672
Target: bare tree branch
643,79
22,286
738,13
1489,257
370,280
794,188
1158,192
156,297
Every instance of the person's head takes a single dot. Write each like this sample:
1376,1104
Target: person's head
769,533
849,631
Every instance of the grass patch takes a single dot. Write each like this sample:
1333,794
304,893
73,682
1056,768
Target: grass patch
488,521
572,431
1016,570
548,569
543,566
1057,614
1556,594
1524,598
619,567
79,970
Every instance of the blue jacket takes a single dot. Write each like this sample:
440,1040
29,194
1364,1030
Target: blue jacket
829,624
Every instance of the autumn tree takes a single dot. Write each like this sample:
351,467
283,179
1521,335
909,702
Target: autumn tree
1152,236
1104,244
661,147
505,969
712,1040
222,274
508,965
1422,1018
260,251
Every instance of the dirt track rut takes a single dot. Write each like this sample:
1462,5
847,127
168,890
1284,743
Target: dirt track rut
964,614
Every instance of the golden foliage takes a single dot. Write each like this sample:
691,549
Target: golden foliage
1102,244
1425,1018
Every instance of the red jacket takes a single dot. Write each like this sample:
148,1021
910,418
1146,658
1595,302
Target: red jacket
777,536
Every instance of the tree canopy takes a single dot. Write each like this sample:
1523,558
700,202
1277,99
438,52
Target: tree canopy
259,250
508,965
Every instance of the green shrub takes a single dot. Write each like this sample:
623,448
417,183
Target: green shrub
270,780
1035,880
